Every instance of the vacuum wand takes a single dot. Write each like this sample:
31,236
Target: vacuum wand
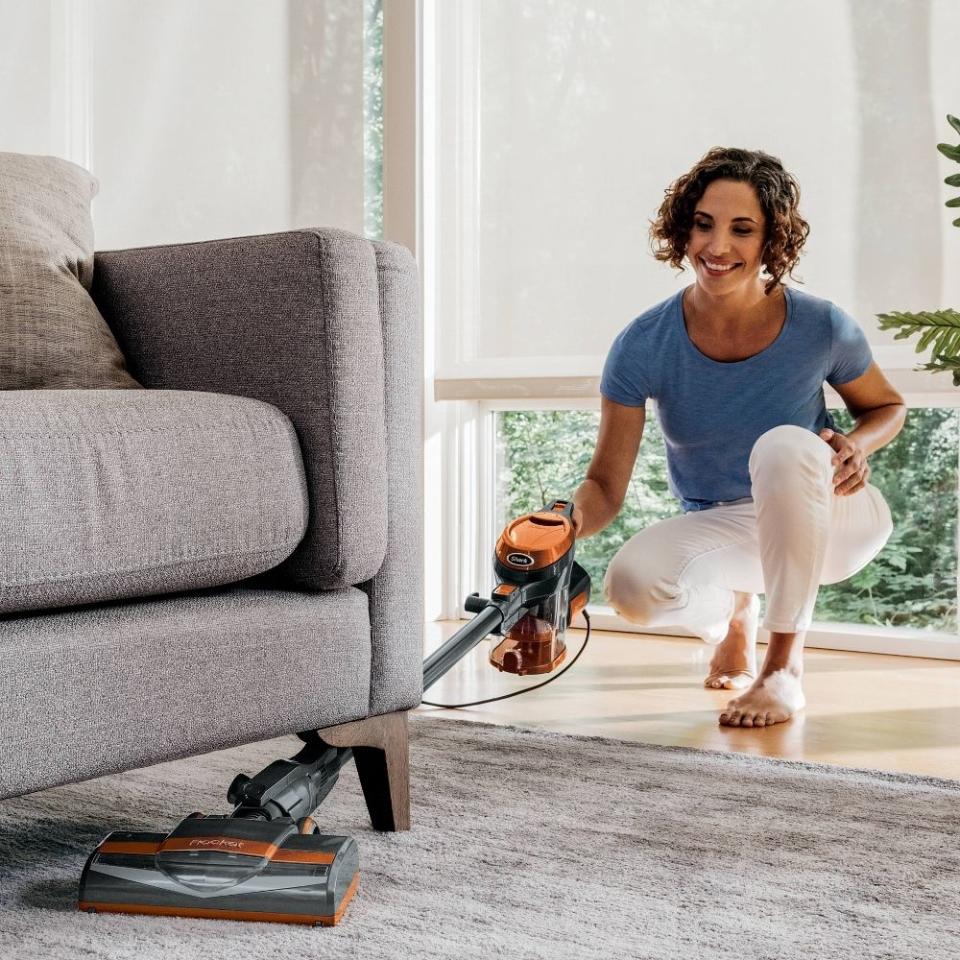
291,788
462,642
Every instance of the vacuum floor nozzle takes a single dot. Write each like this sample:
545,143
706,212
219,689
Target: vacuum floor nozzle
225,868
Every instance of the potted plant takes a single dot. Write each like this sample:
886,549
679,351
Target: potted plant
942,327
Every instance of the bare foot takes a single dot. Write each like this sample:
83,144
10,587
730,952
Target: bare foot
773,698
734,663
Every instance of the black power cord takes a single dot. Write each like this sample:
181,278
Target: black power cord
516,693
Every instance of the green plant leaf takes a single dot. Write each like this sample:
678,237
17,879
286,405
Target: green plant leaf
926,338
946,345
953,153
953,180
955,202
940,325
935,318
954,122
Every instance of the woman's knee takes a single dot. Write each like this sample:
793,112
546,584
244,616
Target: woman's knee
780,450
636,594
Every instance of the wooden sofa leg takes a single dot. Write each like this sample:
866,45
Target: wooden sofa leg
382,753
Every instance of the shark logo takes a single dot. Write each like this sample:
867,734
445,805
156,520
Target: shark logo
520,559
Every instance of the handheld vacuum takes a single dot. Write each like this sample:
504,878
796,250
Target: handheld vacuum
267,860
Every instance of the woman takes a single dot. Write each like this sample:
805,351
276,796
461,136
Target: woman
775,500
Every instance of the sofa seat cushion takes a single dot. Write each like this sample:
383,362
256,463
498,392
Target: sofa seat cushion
111,494
105,688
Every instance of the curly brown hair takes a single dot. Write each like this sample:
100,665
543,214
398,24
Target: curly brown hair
777,191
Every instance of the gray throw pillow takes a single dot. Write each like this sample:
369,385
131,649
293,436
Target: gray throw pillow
52,336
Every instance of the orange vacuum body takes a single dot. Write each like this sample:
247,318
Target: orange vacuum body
539,547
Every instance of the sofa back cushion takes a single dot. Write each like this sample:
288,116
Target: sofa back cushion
110,494
51,334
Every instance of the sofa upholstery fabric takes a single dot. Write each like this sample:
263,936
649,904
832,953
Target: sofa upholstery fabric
106,494
115,686
396,592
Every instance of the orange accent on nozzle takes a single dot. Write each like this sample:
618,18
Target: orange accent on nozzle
129,847
244,848
247,848
212,914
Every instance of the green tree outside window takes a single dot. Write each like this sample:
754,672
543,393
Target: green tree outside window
912,582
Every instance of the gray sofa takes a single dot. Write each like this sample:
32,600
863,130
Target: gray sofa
235,552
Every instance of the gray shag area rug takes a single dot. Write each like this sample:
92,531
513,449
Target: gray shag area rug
534,844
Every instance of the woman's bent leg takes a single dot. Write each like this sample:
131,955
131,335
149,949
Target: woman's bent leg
801,523
792,487
684,571
797,533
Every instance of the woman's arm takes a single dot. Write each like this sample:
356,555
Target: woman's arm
598,499
879,413
878,409
876,428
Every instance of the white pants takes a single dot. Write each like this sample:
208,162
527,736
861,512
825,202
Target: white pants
796,534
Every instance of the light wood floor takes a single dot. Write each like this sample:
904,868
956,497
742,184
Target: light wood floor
863,710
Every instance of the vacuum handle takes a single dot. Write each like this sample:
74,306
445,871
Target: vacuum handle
564,507
474,603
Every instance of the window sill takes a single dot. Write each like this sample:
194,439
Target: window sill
578,378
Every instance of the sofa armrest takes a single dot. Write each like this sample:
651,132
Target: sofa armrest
292,319
397,591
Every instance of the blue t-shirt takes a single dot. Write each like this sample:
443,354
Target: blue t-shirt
711,412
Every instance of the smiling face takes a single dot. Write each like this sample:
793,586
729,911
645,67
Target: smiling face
728,231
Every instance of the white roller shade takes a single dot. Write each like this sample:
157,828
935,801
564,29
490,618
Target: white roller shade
560,125
201,120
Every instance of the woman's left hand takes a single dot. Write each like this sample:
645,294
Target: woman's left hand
852,471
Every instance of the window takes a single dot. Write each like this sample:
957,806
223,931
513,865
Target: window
544,454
